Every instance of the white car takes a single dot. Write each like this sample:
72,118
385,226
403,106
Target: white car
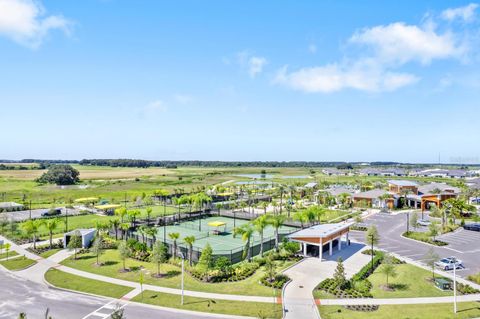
423,222
448,263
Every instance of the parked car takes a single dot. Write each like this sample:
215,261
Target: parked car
52,212
474,226
423,222
448,263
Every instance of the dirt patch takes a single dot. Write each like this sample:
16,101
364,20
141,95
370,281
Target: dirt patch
386,288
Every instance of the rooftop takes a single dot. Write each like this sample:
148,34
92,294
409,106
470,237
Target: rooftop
322,230
402,183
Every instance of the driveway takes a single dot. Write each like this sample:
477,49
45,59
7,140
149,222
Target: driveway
306,275
462,244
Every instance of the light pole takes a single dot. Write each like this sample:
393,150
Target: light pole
371,240
408,219
180,253
66,219
454,285
164,224
30,208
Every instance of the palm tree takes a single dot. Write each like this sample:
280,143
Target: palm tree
31,228
51,225
264,206
246,231
300,217
276,222
281,189
121,212
124,227
189,240
151,231
260,223
174,237
142,230
115,224
149,212
132,216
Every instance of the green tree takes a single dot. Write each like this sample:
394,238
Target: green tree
60,175
246,231
270,269
97,248
121,212
189,240
206,258
133,215
433,230
277,222
30,227
388,268
339,274
372,237
115,224
7,247
51,225
260,223
75,242
430,258
123,252
159,255
149,213
174,237
414,220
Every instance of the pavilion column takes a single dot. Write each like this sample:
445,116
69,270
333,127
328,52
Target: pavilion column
340,243
348,242
304,249
330,248
320,250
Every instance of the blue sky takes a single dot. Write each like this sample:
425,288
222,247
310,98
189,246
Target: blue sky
246,80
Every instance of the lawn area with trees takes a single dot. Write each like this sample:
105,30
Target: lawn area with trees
239,308
73,282
112,266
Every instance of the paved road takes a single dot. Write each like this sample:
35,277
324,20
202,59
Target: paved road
36,213
33,298
463,244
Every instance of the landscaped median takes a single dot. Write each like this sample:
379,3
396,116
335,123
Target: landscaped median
10,254
423,237
18,263
422,311
65,280
229,307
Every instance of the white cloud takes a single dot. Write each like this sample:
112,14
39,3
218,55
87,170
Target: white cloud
253,64
362,76
466,13
402,43
25,22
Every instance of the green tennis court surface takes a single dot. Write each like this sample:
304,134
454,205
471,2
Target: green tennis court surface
220,242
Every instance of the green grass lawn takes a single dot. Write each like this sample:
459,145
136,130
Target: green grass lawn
426,311
65,280
18,263
50,252
240,308
112,266
411,281
10,254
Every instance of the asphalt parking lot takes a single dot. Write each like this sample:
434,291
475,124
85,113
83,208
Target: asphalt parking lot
463,244
36,213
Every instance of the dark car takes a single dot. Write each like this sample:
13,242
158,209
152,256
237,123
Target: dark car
52,212
474,227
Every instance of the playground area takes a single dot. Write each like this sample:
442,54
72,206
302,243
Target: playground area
218,232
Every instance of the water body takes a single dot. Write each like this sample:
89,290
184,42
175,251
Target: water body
296,177
251,182
258,176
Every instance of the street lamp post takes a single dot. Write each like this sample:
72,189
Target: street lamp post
30,208
371,241
408,219
164,224
454,285
180,253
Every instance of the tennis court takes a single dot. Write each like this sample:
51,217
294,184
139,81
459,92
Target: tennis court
219,237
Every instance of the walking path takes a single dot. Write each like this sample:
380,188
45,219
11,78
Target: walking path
298,300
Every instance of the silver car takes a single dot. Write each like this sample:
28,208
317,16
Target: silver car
449,263
423,222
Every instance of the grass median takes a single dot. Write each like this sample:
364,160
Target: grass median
424,311
18,263
10,254
73,282
239,308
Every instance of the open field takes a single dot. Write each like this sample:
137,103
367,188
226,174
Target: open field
68,281
426,311
239,308
113,183
112,265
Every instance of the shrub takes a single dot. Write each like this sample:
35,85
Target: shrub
278,281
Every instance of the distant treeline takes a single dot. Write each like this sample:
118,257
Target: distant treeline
173,164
